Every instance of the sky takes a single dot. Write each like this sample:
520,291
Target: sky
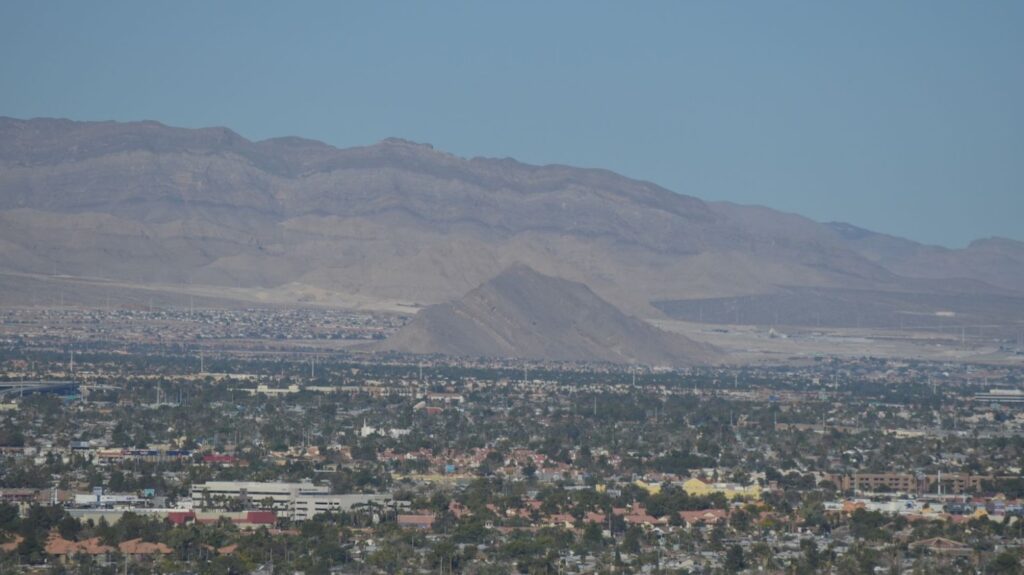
904,117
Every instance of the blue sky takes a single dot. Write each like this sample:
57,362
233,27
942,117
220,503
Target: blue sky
902,117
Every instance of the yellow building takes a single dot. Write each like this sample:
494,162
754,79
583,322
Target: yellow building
651,488
696,487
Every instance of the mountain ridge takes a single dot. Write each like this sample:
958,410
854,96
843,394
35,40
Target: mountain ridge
399,221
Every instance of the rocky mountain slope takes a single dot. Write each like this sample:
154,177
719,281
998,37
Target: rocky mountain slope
524,314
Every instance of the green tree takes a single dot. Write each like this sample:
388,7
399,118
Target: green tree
31,550
1006,563
811,559
69,527
631,542
734,560
592,537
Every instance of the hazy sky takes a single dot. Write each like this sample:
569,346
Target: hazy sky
902,117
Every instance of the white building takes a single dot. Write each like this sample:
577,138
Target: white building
393,433
99,499
297,501
264,495
306,506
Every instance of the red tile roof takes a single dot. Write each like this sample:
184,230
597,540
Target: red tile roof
140,547
181,517
703,516
425,520
57,545
12,544
261,517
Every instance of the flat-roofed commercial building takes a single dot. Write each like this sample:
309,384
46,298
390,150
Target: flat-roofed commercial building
307,506
298,501
1001,396
272,496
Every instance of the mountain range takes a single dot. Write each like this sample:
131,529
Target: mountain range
141,210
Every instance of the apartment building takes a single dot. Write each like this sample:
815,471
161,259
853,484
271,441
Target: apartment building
951,483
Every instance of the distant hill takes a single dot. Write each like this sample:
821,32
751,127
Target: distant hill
135,212
995,261
524,314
